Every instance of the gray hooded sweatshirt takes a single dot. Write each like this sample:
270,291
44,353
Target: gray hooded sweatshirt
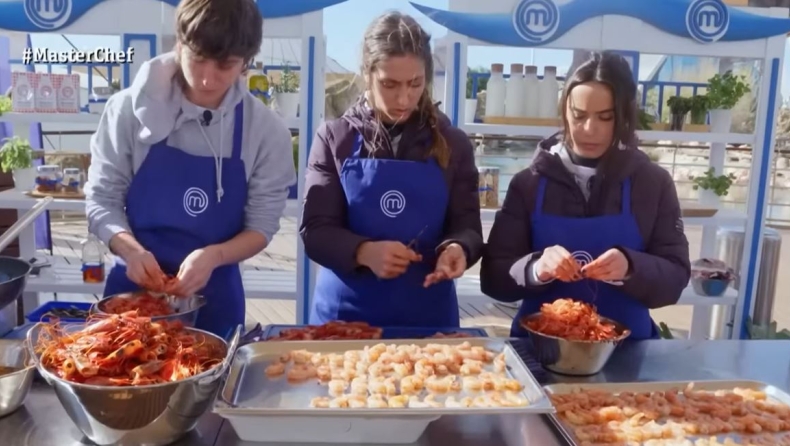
155,108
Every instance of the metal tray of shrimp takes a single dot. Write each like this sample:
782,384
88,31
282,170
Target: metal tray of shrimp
251,390
702,413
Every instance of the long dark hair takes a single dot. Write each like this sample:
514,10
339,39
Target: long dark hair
612,70
394,34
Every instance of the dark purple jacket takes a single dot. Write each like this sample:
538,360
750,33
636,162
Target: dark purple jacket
658,275
327,239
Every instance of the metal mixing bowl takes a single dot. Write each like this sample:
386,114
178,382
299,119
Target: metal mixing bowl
185,308
152,415
15,386
578,358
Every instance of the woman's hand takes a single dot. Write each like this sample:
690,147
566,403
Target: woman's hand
195,272
610,266
143,269
387,260
450,265
557,263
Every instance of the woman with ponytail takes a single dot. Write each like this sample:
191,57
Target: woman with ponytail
391,209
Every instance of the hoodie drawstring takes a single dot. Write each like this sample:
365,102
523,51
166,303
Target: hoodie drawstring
217,156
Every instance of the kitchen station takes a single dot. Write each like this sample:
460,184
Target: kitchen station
102,374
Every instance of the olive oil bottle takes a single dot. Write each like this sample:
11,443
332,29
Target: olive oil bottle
258,83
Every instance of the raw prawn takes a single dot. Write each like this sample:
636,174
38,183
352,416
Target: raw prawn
125,350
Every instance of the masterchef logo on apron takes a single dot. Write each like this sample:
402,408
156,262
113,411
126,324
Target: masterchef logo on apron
392,203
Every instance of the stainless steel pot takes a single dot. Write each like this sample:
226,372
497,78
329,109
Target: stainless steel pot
578,358
152,415
15,386
185,308
13,271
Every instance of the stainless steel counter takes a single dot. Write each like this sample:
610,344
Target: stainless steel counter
43,422
767,361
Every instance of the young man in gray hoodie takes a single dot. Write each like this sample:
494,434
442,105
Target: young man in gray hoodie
189,172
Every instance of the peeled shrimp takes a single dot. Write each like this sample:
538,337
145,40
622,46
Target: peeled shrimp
276,369
337,387
444,384
377,402
300,373
320,402
411,385
398,401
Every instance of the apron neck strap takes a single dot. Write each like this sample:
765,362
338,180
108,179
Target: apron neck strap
238,129
626,205
357,148
541,195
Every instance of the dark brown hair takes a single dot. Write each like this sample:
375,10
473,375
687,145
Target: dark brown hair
612,70
219,29
394,34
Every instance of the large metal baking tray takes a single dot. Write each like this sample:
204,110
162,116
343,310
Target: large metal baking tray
772,392
248,391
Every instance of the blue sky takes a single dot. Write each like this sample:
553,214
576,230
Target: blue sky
344,25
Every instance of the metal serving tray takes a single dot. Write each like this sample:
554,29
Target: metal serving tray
773,393
248,391
390,332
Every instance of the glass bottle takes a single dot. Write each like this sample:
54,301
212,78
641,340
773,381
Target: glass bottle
92,260
495,91
258,83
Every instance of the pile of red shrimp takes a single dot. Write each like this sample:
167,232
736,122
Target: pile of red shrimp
126,350
145,304
573,321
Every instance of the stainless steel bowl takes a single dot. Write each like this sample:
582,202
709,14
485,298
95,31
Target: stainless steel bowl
15,386
577,358
152,415
185,308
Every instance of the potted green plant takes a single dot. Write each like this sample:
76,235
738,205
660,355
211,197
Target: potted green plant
5,104
724,91
645,119
679,107
699,109
286,93
16,156
711,186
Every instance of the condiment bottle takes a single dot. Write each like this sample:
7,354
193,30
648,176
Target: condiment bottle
514,99
92,260
495,91
549,89
532,90
258,83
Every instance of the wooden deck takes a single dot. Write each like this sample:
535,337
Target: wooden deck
67,235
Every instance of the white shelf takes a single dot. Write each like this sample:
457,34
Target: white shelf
77,118
724,217
689,297
16,199
644,135
32,118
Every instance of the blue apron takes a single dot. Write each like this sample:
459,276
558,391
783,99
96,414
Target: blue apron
391,200
173,210
588,238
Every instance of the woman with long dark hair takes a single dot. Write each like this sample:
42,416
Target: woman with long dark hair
592,218
391,207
